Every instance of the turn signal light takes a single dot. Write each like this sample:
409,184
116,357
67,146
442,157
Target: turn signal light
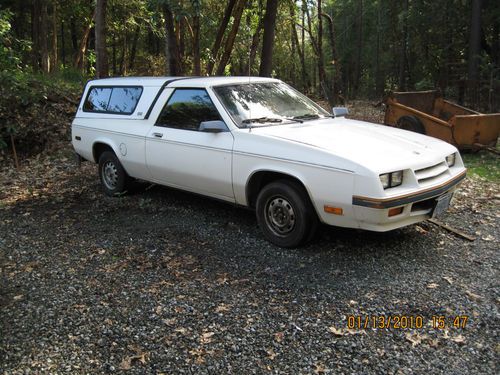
395,211
333,210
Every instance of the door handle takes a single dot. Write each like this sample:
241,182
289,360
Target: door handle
158,135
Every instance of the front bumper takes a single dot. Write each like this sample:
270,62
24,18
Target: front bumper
373,213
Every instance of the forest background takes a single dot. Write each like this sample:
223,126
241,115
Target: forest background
333,50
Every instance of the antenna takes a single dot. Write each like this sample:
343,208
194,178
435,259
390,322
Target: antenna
249,70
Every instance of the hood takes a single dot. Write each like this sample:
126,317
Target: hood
378,147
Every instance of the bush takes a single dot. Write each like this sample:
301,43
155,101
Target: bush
34,108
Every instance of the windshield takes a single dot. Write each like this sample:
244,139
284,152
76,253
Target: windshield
267,103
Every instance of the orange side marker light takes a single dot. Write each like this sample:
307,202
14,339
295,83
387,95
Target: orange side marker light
395,211
333,210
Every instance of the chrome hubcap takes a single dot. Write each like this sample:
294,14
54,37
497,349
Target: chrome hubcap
110,175
280,216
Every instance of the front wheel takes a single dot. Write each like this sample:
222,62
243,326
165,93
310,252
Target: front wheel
113,177
285,214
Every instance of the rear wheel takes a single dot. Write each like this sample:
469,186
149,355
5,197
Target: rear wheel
411,123
285,214
113,177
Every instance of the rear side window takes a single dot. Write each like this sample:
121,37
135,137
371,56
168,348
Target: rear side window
119,100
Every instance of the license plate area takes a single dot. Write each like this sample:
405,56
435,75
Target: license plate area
442,204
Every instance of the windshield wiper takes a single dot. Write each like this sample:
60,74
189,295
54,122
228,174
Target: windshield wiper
261,120
306,116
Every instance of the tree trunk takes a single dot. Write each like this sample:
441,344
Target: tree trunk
337,72
300,50
63,45
180,27
196,38
321,62
123,58
78,63
474,51
74,37
172,49
220,34
306,81
44,37
294,39
359,49
100,40
253,48
266,61
35,34
113,56
402,56
228,48
133,50
54,37
379,81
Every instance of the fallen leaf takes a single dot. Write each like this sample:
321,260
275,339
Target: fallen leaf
271,354
415,338
448,279
222,279
319,368
278,336
206,337
356,332
420,229
343,331
434,343
222,308
460,339
489,237
170,322
336,331
475,297
127,362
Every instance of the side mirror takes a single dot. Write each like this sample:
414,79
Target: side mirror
340,111
216,126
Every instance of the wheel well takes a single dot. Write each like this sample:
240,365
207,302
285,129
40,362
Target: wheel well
98,149
261,179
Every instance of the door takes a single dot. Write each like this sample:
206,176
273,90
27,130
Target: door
180,155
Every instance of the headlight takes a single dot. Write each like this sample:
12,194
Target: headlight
392,179
450,160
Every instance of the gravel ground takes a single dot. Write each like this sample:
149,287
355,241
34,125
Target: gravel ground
161,281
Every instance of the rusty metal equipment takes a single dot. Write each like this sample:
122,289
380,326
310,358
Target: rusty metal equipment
428,113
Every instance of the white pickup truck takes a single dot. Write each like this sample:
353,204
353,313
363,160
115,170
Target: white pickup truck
259,143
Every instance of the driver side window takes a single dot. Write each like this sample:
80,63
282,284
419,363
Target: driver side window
186,109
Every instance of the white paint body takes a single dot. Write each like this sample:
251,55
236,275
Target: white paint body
336,159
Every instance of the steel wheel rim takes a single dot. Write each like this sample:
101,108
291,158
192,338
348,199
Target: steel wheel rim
110,175
280,216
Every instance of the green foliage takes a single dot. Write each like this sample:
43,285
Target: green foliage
8,58
483,164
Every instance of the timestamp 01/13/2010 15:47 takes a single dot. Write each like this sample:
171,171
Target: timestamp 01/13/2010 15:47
406,321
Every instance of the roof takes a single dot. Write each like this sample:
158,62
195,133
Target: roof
178,81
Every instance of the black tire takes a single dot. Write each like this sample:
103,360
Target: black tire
411,123
114,179
285,214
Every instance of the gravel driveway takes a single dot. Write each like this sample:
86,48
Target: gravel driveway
161,281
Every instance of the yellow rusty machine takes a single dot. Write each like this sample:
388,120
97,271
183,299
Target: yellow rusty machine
428,113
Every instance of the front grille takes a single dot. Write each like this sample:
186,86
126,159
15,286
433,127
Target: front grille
432,173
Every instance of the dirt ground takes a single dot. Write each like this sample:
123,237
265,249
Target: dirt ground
161,281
